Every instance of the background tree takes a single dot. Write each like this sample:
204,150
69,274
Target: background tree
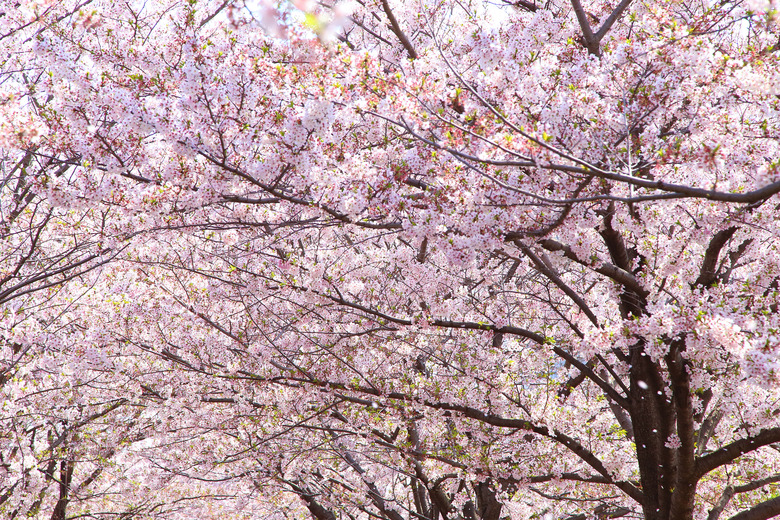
399,260
50,253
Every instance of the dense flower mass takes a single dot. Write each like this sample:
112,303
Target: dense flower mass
397,259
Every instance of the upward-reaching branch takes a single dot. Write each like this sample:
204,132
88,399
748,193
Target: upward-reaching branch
591,42
708,274
611,19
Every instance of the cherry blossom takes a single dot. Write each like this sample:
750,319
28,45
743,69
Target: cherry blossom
384,259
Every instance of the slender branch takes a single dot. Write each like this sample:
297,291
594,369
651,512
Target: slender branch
672,191
273,190
613,374
97,415
398,32
436,322
215,13
585,369
488,418
617,274
576,477
5,295
32,249
9,294
554,278
369,31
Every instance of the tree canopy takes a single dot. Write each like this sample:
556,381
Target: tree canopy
395,259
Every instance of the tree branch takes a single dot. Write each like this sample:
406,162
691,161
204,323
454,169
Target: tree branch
707,275
436,322
591,42
624,278
398,32
585,369
607,25
554,278
672,191
278,193
762,511
488,418
735,450
730,491
317,510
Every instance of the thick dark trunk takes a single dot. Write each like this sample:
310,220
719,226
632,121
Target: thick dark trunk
684,495
667,467
66,475
649,416
489,508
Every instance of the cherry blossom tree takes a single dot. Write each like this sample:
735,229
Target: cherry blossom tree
430,259
46,248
